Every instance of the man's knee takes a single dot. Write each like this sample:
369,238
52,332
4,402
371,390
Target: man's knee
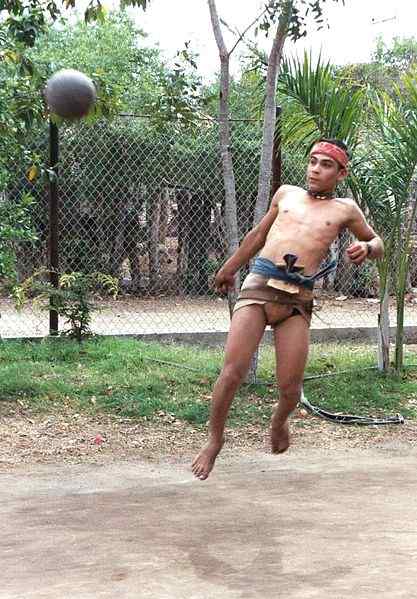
290,389
233,374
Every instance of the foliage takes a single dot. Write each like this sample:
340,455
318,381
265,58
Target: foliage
25,24
398,126
316,103
72,299
399,57
301,12
26,18
388,65
124,73
385,181
179,99
20,108
15,227
20,101
130,78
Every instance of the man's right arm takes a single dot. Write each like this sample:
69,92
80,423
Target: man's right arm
249,247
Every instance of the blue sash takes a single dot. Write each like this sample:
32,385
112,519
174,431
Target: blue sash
266,268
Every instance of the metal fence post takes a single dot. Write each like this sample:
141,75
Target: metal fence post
53,221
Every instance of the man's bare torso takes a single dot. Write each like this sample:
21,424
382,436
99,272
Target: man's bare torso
305,226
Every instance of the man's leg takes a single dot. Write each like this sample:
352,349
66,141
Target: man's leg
247,327
292,339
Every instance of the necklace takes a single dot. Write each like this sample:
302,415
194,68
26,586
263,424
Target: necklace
322,195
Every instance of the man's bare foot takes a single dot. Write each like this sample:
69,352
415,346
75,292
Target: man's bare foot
203,463
280,436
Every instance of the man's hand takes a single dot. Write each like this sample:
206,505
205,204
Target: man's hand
358,252
224,281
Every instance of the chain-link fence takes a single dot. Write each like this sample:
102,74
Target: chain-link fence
145,206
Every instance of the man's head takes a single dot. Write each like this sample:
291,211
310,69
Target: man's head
327,165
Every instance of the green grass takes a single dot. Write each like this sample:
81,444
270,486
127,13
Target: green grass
128,378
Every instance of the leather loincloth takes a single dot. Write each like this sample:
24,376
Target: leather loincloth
255,291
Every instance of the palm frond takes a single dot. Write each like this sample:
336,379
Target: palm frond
396,119
330,108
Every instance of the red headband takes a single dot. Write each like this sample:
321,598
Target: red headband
329,149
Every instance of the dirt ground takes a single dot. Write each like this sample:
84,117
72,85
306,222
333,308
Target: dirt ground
98,508
69,437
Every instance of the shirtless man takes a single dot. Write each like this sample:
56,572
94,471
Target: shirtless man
292,239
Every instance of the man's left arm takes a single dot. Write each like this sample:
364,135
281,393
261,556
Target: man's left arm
369,244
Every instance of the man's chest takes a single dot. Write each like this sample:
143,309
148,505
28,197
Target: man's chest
324,217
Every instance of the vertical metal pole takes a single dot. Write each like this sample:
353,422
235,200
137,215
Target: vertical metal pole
276,153
53,222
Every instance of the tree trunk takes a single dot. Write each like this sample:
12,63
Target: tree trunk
164,216
399,337
152,216
199,213
183,201
405,245
383,331
275,55
225,146
270,114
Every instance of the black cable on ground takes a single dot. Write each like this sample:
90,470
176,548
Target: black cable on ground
348,418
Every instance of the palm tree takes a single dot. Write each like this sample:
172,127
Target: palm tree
396,118
371,184
382,132
316,103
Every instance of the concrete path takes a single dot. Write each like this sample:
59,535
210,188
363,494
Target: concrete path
176,315
319,525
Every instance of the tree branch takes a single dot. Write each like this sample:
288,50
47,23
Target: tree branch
242,35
